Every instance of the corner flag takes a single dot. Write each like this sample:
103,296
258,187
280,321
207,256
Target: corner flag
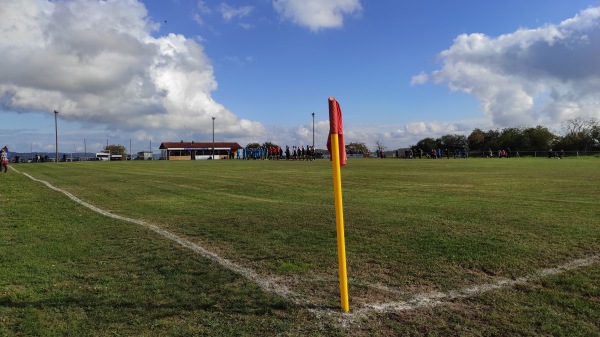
336,128
337,151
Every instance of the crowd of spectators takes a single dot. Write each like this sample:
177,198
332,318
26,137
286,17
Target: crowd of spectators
277,153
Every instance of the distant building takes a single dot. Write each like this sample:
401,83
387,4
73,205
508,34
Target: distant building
105,155
145,155
197,151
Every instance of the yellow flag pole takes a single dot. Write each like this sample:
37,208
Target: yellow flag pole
339,222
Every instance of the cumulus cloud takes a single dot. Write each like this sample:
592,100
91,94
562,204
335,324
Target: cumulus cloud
96,61
317,14
535,76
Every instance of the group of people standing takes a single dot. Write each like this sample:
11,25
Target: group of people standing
502,153
277,153
260,153
300,153
435,153
456,153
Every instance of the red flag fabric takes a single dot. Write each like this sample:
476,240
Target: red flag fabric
336,128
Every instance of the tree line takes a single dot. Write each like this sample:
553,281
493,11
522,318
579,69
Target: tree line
578,135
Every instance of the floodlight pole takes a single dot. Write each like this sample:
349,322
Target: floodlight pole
213,147
56,135
313,144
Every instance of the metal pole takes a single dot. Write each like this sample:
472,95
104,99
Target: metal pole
213,147
56,135
313,144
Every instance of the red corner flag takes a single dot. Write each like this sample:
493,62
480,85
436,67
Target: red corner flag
335,128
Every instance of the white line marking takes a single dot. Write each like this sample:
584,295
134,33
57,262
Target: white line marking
264,283
434,299
437,298
415,302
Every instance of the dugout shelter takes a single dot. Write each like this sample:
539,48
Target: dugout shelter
197,150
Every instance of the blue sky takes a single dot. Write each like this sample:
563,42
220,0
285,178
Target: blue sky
144,72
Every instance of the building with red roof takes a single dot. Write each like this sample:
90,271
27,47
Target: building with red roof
198,150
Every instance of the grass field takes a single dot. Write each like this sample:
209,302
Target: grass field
443,230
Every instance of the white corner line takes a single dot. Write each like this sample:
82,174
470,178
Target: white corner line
264,283
416,301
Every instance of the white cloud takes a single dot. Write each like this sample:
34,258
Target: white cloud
432,129
96,61
230,12
317,14
531,76
421,78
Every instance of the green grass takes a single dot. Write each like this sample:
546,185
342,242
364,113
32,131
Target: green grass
414,226
66,271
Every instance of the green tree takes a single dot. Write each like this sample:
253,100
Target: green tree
513,138
491,140
253,146
539,138
452,142
476,140
425,144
